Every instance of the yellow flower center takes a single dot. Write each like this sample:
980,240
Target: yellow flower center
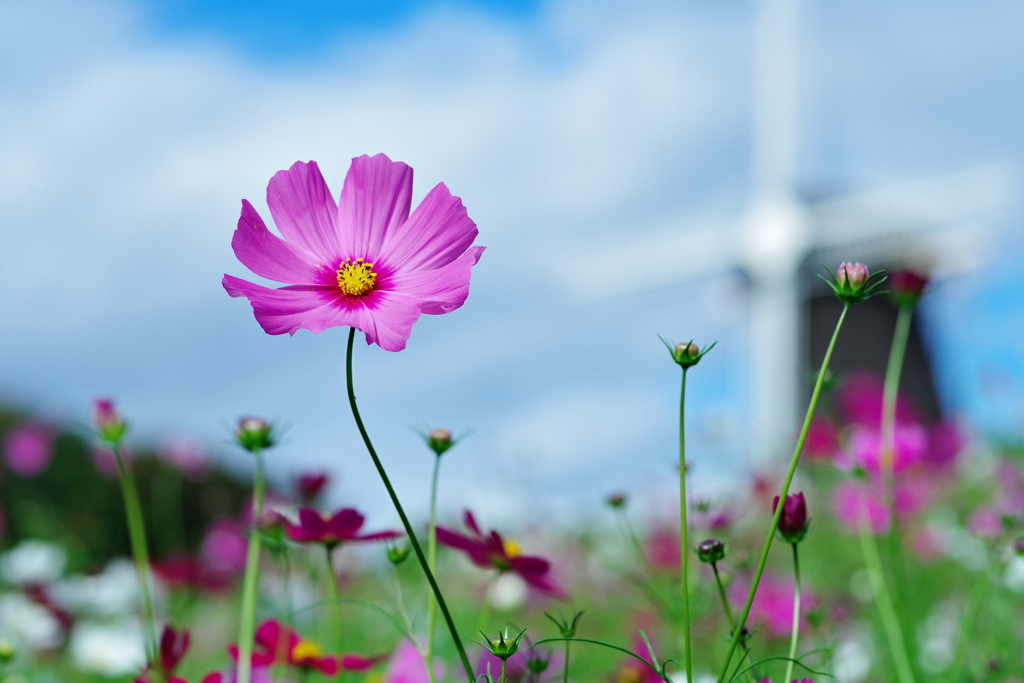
306,649
356,278
628,675
512,548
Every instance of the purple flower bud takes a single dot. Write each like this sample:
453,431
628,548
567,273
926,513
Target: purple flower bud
616,500
907,286
852,275
711,550
254,434
793,524
310,484
109,424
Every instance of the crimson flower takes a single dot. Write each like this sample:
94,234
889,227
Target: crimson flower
491,551
364,262
173,646
277,643
322,527
310,484
793,523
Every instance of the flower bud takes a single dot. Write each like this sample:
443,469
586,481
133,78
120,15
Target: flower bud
711,550
567,627
254,434
398,554
310,484
686,354
503,647
852,275
616,500
6,651
907,286
793,524
109,424
853,283
537,665
1018,546
439,440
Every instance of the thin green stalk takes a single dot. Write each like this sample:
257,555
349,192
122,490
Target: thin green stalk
137,537
400,600
883,600
504,666
782,496
893,371
796,615
684,542
432,560
332,580
728,614
247,622
565,669
484,617
401,512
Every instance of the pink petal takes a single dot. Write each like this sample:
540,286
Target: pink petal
289,309
437,232
346,522
441,290
470,521
377,536
267,255
304,210
374,201
312,522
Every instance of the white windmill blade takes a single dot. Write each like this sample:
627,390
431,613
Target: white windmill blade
677,256
921,205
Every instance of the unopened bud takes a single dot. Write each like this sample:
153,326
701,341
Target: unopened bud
690,350
109,424
536,665
503,646
439,440
616,500
1018,546
254,434
793,523
685,354
6,651
852,275
907,286
398,554
711,550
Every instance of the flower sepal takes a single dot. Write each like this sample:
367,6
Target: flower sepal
503,646
711,551
686,354
567,627
852,282
254,434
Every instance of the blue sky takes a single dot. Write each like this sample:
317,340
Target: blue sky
132,132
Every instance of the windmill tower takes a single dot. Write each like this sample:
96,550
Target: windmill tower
944,221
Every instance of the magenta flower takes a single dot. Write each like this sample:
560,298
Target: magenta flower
310,485
793,524
28,449
277,643
773,604
364,262
408,666
491,551
224,547
331,530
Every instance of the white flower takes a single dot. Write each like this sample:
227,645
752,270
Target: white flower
33,561
508,591
113,591
28,622
112,649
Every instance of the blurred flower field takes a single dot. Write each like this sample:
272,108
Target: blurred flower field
889,548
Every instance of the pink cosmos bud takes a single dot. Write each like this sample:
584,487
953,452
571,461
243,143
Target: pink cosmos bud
852,275
173,645
310,485
439,440
109,424
907,286
793,524
254,434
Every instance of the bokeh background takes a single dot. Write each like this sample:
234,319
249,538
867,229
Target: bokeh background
131,130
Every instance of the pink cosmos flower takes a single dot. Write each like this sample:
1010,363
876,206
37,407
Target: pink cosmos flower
28,449
408,666
224,547
277,643
330,529
773,604
364,262
494,552
864,448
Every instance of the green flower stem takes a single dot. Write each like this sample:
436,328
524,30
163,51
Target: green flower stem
684,543
332,580
883,600
782,496
250,582
796,615
893,370
729,616
504,667
404,613
401,512
565,669
137,537
484,617
432,561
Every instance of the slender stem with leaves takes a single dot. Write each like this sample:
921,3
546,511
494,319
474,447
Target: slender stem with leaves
684,541
741,623
420,556
883,600
432,561
332,582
